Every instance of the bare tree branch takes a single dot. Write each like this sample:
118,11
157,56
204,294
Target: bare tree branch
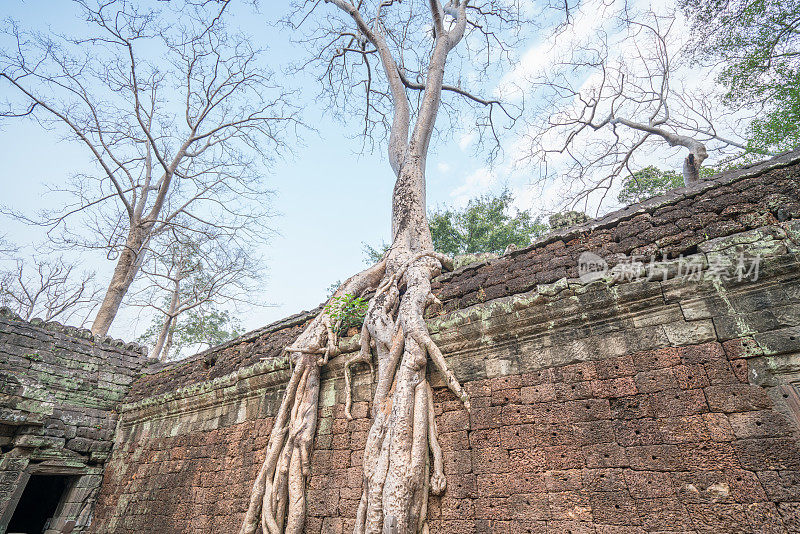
177,111
619,96
49,290
193,268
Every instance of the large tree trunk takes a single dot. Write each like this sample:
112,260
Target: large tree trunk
398,471
691,168
168,343
162,338
396,461
130,259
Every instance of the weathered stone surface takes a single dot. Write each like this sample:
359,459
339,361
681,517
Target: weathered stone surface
59,389
654,433
658,404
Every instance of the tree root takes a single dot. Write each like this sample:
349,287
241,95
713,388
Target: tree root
277,501
438,480
397,465
291,439
402,458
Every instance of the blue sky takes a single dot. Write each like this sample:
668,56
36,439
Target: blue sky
330,198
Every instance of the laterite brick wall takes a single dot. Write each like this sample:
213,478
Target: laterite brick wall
666,403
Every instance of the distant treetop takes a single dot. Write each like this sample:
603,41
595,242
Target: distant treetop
487,224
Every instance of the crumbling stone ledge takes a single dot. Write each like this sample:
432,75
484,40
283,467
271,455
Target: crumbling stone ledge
671,198
560,323
60,387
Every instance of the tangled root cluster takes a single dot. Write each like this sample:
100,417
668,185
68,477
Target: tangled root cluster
402,457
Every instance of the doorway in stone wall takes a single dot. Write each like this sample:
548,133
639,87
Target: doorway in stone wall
39,503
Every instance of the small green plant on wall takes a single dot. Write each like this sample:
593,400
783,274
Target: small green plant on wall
346,311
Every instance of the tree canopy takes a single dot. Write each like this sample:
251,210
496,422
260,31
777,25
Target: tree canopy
197,329
488,223
756,45
617,96
48,288
647,183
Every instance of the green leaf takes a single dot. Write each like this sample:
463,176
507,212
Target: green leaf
347,311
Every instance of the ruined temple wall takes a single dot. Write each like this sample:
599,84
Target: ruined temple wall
59,388
638,406
661,400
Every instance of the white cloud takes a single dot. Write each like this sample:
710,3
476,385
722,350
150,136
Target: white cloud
474,185
466,140
443,167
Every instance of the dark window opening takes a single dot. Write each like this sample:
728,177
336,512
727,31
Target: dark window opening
38,503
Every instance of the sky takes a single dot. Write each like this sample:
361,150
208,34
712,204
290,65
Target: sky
330,198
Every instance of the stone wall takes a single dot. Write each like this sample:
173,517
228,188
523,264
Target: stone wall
666,226
660,397
59,388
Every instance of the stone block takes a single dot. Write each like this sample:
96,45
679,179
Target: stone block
689,333
760,424
768,454
730,398
783,341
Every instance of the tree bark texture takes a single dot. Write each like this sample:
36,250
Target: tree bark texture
125,271
402,459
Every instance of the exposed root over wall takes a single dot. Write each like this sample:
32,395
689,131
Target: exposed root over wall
402,457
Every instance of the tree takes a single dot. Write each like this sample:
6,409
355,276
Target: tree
53,291
652,181
486,224
207,328
647,183
396,54
618,96
371,255
193,275
197,329
755,43
171,108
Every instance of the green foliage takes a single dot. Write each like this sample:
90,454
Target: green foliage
206,328
647,183
348,310
372,254
652,181
486,224
194,330
757,44
332,288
